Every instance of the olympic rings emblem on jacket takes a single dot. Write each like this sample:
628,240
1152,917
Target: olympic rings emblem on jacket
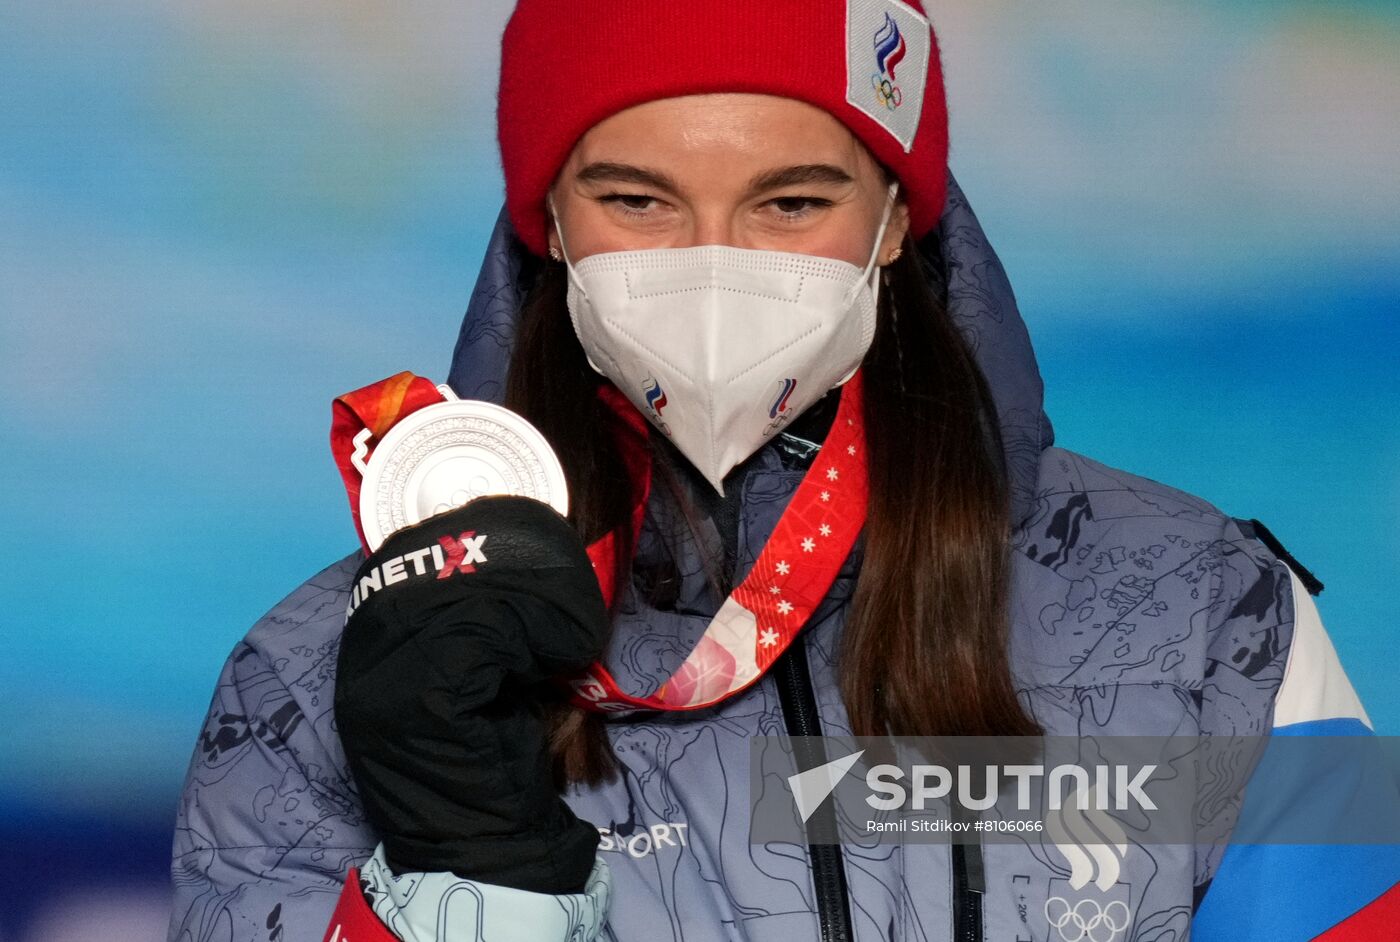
1086,919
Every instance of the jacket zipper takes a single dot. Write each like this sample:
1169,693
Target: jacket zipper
828,865
969,883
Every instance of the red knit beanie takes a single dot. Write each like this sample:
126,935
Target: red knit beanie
566,65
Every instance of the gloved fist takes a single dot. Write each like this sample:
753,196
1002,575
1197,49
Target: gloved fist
453,625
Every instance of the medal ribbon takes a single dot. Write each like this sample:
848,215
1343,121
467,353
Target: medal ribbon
374,409
761,617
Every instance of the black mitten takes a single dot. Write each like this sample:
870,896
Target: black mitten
453,626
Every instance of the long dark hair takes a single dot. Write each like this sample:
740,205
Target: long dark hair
924,649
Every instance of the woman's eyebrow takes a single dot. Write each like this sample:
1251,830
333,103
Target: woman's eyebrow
800,175
608,172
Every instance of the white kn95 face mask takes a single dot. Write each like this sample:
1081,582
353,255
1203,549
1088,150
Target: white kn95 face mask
721,347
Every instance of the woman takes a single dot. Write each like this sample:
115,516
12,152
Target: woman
716,212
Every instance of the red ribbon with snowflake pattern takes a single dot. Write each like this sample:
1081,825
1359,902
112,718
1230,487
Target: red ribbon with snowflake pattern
790,578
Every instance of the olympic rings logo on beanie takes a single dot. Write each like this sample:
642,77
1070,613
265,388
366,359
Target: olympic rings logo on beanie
872,64
890,50
897,38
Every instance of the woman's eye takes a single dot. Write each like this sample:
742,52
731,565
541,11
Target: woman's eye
631,203
796,207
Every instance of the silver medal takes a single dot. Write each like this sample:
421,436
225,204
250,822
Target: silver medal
448,453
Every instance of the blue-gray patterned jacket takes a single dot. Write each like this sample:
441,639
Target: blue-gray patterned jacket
1136,608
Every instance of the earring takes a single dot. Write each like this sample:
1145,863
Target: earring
555,254
895,253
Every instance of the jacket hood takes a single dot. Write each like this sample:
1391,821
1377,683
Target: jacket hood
979,297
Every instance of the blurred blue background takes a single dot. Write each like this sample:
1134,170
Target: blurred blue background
215,218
